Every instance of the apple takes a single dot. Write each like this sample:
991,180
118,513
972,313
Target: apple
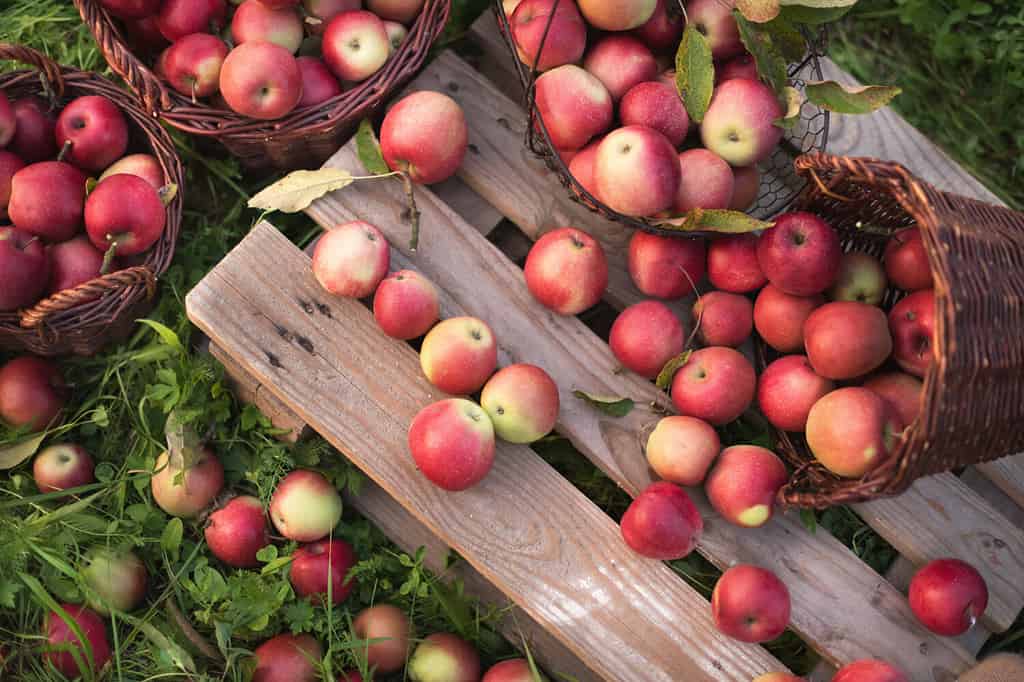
733,264
459,355
275,4
845,339
779,318
787,389
870,670
665,267
452,443
851,431
192,64
637,171
662,522
325,10
10,164
743,484
801,254
351,259
582,166
912,322
146,166
706,181
645,336
8,121
179,18
714,19
34,138
386,629
742,66
288,658
185,492
906,261
443,657
622,62
144,34
322,566
397,33
237,531
47,199
406,305
658,106
739,124
350,676
131,9
746,187
25,266
617,16
726,319
261,80
663,30
73,262
425,135
32,392
573,104
355,45
305,506
512,670
902,391
779,677
566,271
62,467
566,33
94,132
716,384
751,604
254,20
124,212
118,577
64,645
403,11
948,596
522,402
861,278
681,449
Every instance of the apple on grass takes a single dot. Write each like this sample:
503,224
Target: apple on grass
739,124
566,271
705,181
637,171
125,213
444,657
117,577
663,30
845,339
65,649
617,16
901,391
62,467
10,163
73,262
743,484
906,261
779,317
322,565
351,259
288,658
179,18
452,443
192,64
716,384
870,670
32,392
254,20
948,596
861,279
318,83
746,187
47,199
261,80
459,355
386,631
800,255
787,389
851,431
566,37
751,604
723,318
714,20
665,267
237,531
25,265
645,336
186,491
305,506
733,265
93,131
522,402
146,166
404,11
574,106
406,305
425,136
34,139
355,45
662,522
622,62
512,670
681,449
912,322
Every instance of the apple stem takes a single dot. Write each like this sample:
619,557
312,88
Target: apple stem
65,149
414,213
108,258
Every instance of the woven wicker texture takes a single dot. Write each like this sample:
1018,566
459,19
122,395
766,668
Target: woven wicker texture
84,319
306,137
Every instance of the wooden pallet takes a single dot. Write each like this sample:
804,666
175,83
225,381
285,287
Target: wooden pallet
578,605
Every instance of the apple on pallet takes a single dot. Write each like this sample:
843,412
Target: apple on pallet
681,449
522,402
321,565
32,392
566,271
870,670
305,506
645,336
459,355
117,577
66,651
716,384
387,632
61,467
566,37
351,259
288,658
187,491
425,136
237,531
444,657
733,265
948,596
452,443
665,267
26,269
852,430
743,484
662,522
723,318
34,138
406,305
751,604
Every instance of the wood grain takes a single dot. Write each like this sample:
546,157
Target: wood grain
563,562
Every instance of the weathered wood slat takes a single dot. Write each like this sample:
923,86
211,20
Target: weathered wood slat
564,563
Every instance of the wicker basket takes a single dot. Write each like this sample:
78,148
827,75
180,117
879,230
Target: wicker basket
306,137
779,182
84,319
972,406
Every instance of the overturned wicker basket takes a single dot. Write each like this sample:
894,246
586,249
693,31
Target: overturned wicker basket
306,137
82,320
973,399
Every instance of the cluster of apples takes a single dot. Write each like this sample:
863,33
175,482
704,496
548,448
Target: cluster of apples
46,158
252,68
636,169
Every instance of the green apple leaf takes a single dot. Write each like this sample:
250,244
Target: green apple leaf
664,379
850,100
613,406
758,11
787,38
792,100
714,220
809,519
368,149
13,455
179,656
695,73
297,190
771,64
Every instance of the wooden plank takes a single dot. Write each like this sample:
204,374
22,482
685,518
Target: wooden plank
1008,474
817,568
476,210
565,564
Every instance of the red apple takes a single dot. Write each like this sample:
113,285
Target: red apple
845,340
254,20
725,319
870,670
705,181
322,565
733,264
452,443
656,106
851,431
261,80
8,121
617,16
645,336
582,166
62,467
146,166
397,33
34,138
902,391
64,645
743,484
387,630
665,267
746,187
406,305
124,211
24,269
713,18
94,131
318,83
860,279
800,255
742,66
237,531
350,676
305,506
512,670
622,62
404,11
192,64
144,34
948,596
459,355
637,171
566,37
443,657
179,18
355,45
566,271
118,578
739,124
131,9
663,30
716,384
47,199
325,10
912,323
751,604
351,259
787,389
185,492
779,677
522,402
779,318
73,262
32,392
574,106
906,261
681,449
662,522
10,164
288,658
425,135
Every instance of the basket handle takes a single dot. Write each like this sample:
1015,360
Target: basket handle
88,291
50,69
